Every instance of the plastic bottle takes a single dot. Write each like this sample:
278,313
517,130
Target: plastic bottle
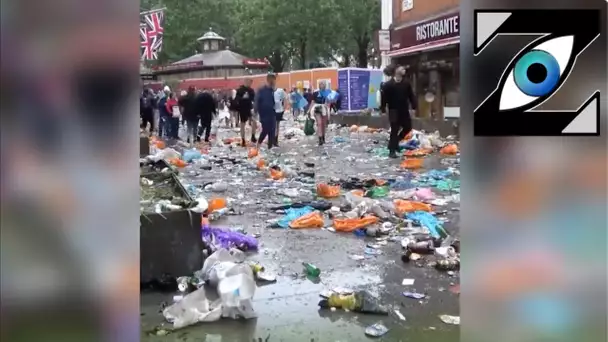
311,270
217,214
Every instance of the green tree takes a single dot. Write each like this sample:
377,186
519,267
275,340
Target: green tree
185,21
284,31
355,24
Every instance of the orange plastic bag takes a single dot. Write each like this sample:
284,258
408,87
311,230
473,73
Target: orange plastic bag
412,163
216,204
358,192
328,191
261,164
253,152
276,174
177,162
349,225
312,220
419,152
449,149
159,144
403,206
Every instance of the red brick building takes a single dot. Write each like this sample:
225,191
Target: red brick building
425,37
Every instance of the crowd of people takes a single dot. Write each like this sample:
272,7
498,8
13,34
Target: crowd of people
162,113
266,108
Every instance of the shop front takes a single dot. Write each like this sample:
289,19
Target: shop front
430,52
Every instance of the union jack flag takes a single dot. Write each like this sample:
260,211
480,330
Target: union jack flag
151,32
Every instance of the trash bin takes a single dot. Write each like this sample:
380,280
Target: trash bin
144,146
170,242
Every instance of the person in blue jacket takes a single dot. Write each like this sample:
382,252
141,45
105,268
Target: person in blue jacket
264,106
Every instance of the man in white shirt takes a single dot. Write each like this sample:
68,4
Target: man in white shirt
279,108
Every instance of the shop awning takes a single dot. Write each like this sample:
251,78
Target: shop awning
424,47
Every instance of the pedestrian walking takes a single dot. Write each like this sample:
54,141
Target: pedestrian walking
320,110
279,108
189,114
206,108
172,107
245,97
398,100
234,109
164,113
264,105
146,105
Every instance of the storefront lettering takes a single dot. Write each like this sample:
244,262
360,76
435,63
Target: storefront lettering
437,29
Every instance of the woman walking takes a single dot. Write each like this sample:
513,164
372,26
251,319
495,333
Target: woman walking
320,110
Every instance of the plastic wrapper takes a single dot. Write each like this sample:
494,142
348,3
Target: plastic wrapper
311,220
219,238
293,214
352,224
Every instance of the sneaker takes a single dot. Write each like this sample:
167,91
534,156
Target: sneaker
320,141
393,155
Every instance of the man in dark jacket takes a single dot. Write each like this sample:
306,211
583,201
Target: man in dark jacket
398,99
206,108
245,97
189,113
146,109
264,105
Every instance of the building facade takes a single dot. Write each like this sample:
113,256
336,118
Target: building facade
215,60
425,38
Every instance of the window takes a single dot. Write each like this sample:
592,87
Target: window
214,45
206,46
407,5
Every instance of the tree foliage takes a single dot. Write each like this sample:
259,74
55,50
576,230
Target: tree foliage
289,34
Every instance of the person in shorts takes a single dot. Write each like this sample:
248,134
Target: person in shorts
245,97
279,108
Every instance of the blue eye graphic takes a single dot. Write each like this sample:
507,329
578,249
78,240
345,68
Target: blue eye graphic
537,73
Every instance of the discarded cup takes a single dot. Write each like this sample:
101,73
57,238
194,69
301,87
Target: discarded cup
376,330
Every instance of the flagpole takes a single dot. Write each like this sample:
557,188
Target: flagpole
152,11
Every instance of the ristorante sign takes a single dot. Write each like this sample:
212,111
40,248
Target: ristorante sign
447,26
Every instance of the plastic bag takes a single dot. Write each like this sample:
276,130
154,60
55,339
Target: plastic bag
309,126
293,214
276,174
192,309
328,191
402,206
352,224
177,162
377,192
419,152
253,152
428,221
261,164
228,239
311,220
449,149
412,163
190,155
358,192
216,204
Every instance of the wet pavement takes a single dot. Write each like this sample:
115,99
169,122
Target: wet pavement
287,310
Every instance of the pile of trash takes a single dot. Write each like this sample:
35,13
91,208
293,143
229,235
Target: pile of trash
407,211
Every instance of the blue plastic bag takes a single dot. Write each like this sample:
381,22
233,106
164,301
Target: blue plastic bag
190,155
427,220
292,214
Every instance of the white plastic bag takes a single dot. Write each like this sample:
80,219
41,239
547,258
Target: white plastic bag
192,309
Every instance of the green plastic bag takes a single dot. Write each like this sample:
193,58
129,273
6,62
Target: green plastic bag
377,192
309,126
